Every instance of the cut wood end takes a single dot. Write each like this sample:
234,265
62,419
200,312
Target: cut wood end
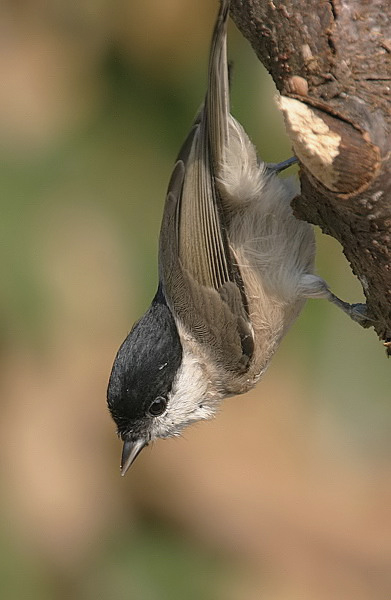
315,144
337,154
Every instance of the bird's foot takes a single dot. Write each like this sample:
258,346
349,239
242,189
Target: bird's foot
357,312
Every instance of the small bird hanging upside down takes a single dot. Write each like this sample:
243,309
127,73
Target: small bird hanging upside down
235,269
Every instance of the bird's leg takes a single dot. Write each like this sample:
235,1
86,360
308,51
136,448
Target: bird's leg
357,312
279,167
313,286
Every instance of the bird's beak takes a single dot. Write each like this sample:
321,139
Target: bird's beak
130,452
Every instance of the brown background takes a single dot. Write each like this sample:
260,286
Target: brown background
286,495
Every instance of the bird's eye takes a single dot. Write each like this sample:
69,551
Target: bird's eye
158,406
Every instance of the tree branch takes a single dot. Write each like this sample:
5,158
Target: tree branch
331,62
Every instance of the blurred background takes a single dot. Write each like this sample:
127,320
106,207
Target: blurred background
287,494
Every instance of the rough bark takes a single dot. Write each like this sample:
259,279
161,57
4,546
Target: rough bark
331,62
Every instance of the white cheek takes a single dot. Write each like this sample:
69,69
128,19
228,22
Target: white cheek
189,387
189,400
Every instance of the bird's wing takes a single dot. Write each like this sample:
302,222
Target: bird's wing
202,281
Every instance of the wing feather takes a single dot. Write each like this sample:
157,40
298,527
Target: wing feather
202,281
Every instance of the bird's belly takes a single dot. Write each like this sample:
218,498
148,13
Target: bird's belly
272,252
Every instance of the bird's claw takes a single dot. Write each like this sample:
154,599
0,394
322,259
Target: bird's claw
357,312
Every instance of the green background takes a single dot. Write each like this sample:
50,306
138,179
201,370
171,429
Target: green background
286,494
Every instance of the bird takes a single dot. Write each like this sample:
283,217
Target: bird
235,270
